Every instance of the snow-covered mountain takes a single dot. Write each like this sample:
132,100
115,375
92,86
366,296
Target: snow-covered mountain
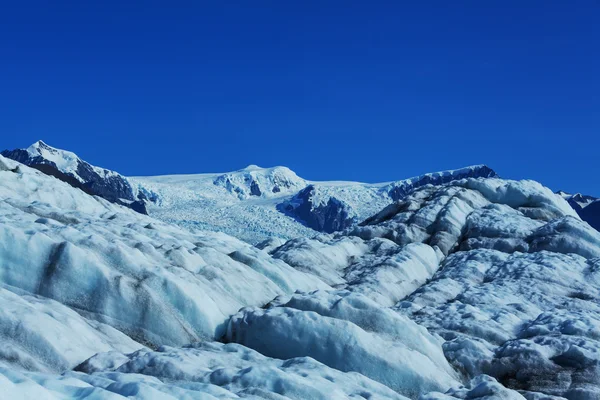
255,204
587,207
464,287
68,167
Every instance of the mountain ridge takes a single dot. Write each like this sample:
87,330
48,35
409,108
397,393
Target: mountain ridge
269,202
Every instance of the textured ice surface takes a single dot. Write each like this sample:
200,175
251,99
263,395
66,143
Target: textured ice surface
530,320
254,203
514,290
479,288
480,387
44,335
158,283
348,332
260,182
202,371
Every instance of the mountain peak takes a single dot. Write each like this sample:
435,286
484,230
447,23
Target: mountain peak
252,167
262,182
65,161
68,167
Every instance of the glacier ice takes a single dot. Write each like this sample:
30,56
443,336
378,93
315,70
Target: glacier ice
461,289
158,283
255,204
347,332
200,371
37,334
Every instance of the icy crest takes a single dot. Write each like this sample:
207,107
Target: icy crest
260,182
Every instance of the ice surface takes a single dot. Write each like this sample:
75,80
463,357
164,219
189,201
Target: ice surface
260,182
202,371
247,204
347,332
486,281
158,283
480,387
505,256
530,320
43,335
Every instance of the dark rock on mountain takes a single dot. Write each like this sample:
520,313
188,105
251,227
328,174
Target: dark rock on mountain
591,214
323,215
69,168
587,207
400,189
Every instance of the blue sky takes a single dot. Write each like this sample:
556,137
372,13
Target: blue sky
369,91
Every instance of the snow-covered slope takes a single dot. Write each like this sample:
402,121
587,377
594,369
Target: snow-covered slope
255,204
91,276
158,283
505,272
252,204
577,201
68,167
260,182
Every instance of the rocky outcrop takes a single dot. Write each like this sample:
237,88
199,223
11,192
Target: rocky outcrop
587,207
400,189
321,213
69,168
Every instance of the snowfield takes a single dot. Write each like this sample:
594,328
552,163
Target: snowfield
256,204
459,288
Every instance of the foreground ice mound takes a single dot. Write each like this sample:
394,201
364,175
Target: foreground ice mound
481,387
392,253
378,268
503,257
347,332
155,282
202,371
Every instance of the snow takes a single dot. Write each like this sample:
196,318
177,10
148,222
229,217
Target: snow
66,161
503,254
529,320
195,202
256,181
378,268
578,199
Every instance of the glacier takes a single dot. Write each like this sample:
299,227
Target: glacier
457,286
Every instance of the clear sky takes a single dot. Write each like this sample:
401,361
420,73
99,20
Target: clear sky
369,91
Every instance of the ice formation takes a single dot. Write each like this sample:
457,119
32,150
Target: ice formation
461,289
